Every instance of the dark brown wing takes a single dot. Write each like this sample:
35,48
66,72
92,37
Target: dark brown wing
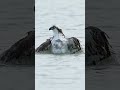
97,44
23,48
44,46
73,45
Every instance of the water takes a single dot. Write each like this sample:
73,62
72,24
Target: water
60,72
17,77
103,77
103,15
16,18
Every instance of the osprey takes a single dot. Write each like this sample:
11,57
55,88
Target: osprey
97,46
59,44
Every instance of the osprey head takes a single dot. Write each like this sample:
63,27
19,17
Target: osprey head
55,28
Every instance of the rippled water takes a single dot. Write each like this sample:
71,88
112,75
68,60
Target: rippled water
101,14
17,77
16,18
60,72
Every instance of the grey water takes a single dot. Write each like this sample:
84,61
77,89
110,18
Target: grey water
102,14
60,72
17,77
16,19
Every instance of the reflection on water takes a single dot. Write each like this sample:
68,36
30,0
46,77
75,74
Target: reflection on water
60,72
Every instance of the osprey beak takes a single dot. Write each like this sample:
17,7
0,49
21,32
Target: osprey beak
50,28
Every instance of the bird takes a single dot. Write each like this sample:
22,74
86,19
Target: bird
97,46
59,44
23,48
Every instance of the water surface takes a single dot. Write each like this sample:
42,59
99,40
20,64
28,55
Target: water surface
60,72
102,14
16,18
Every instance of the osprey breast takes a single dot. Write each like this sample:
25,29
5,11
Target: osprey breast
59,46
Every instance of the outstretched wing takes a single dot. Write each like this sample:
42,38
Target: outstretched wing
73,45
46,46
24,48
97,45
